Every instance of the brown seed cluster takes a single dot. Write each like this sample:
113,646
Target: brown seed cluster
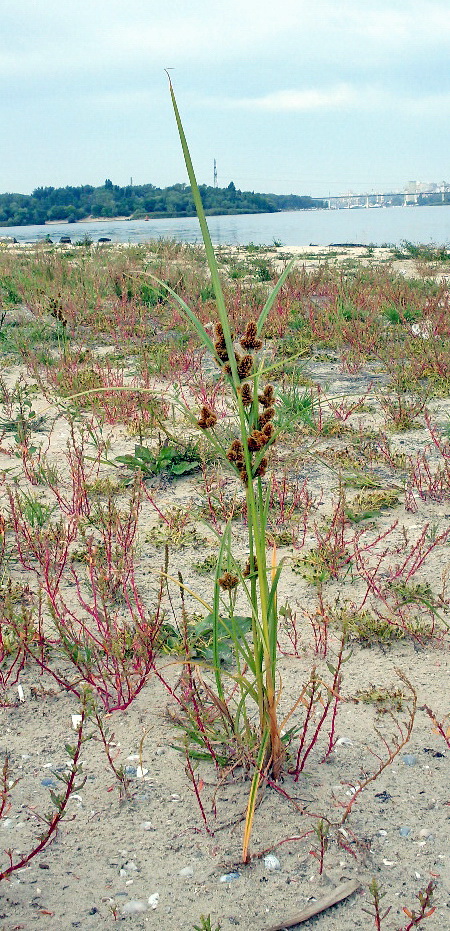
263,429
207,418
244,364
267,398
228,581
235,454
266,417
250,339
246,395
256,441
220,345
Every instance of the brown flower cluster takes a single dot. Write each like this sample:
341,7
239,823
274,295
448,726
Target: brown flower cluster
228,581
267,398
259,438
220,345
250,340
256,441
235,455
246,395
244,364
263,430
207,418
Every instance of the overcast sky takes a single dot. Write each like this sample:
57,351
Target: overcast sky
301,96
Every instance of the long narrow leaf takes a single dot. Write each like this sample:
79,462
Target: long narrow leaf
210,255
271,299
253,797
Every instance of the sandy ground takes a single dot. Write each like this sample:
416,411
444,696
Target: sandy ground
148,860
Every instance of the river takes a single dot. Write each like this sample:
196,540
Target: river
385,225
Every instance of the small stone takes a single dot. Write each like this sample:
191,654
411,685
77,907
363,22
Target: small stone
140,772
133,907
344,742
76,721
49,783
229,877
409,759
147,826
153,900
130,770
404,831
186,871
271,862
130,866
425,832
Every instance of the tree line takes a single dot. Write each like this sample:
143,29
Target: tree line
69,204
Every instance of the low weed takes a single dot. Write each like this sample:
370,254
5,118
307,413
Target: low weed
175,461
368,504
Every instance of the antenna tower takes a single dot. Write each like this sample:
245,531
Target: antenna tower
215,173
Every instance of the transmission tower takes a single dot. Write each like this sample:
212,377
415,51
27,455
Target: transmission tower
215,174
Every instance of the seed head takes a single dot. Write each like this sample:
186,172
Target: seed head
244,366
227,367
266,416
246,395
235,454
207,418
256,440
250,340
262,468
267,398
221,351
228,581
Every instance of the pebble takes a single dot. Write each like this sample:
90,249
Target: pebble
133,907
147,826
271,862
186,871
50,783
229,877
130,770
404,832
425,832
153,900
409,759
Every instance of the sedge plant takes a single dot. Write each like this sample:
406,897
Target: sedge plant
252,402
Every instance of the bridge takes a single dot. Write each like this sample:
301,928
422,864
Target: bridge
383,199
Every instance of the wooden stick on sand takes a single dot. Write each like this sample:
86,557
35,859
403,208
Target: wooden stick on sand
336,895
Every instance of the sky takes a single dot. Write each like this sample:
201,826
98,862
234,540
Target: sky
310,97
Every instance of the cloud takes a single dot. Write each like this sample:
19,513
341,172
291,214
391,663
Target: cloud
342,96
53,38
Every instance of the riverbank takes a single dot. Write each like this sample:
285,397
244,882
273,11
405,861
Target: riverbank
290,228
112,514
